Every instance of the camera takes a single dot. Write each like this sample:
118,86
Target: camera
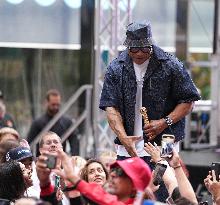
51,161
167,145
216,167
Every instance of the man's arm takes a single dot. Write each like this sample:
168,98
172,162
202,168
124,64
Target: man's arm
116,123
155,127
180,111
184,185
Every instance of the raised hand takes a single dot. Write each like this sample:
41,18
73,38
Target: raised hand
154,151
68,172
213,185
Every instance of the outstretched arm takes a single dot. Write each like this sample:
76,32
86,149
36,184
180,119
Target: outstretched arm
116,123
184,185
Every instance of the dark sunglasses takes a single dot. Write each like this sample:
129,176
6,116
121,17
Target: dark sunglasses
143,49
118,171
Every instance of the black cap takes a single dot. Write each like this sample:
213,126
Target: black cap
18,154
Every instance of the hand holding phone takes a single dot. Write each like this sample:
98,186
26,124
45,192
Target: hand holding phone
158,173
167,145
216,167
51,161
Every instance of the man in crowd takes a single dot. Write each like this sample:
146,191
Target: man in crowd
49,143
53,102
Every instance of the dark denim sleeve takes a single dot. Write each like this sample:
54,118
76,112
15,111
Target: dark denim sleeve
183,88
110,95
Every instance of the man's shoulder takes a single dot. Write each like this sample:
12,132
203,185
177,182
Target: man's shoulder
41,119
118,62
66,118
165,56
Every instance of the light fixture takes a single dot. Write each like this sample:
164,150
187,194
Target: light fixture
14,1
45,2
74,4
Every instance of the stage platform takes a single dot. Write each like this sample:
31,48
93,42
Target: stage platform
198,164
202,158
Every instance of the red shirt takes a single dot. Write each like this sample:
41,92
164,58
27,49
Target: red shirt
97,194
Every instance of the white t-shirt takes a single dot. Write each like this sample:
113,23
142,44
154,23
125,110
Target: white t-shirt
140,71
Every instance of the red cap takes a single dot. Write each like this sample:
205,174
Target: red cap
137,170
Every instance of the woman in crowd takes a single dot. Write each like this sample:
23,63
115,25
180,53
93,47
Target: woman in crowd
93,172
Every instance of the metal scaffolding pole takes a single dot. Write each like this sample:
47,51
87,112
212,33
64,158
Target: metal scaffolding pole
110,23
215,81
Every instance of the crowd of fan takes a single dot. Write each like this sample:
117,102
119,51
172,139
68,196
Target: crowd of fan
74,180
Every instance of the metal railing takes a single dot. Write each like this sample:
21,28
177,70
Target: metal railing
84,116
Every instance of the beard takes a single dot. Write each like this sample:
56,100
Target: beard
52,112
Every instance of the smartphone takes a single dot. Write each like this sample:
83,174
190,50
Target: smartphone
216,167
51,161
158,173
167,145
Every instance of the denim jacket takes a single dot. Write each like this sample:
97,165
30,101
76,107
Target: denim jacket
166,84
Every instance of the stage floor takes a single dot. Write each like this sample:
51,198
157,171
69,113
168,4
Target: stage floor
203,158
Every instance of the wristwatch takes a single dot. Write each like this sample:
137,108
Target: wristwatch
168,120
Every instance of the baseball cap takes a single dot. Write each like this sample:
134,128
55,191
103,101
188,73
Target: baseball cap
137,170
18,154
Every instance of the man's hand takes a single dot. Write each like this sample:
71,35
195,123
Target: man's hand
43,172
129,144
174,161
154,128
116,123
212,184
68,173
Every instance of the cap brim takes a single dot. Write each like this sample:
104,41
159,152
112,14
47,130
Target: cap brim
25,157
